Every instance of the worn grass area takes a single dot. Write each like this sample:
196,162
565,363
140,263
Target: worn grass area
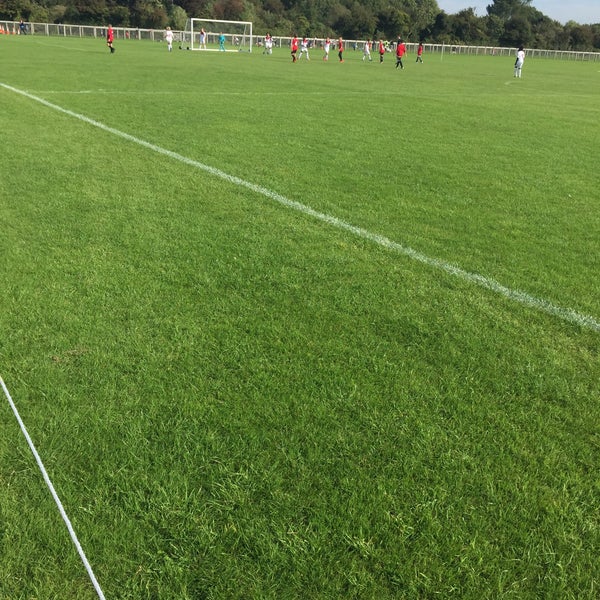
237,400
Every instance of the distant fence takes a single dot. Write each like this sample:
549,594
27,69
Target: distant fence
131,33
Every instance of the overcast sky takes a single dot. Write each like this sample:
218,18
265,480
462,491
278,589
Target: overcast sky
581,11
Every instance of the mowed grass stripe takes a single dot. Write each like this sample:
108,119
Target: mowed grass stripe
55,496
237,401
543,305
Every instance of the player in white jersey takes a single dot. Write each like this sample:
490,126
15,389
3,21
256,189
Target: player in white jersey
367,51
169,38
304,48
268,44
326,48
519,62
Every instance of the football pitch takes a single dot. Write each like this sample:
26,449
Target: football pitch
312,330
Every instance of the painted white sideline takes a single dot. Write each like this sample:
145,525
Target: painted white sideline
63,514
566,314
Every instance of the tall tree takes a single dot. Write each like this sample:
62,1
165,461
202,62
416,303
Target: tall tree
422,14
517,32
467,27
90,12
581,36
195,8
10,9
505,9
393,22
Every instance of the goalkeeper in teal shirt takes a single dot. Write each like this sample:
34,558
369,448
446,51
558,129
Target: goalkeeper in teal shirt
222,42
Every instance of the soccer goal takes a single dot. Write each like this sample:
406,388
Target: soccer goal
224,36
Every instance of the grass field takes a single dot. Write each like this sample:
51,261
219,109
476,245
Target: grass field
317,330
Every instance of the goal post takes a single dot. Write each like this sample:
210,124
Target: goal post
227,36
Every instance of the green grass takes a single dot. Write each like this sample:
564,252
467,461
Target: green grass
236,400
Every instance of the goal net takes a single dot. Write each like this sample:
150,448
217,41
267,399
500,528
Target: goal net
215,35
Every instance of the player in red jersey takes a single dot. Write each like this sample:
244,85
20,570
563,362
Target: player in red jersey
420,52
400,52
110,36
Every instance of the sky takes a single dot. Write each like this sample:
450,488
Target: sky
580,11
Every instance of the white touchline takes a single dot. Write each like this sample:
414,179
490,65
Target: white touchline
566,314
63,514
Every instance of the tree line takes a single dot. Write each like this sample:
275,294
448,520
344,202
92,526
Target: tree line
507,22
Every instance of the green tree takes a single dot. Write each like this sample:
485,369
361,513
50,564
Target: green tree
547,33
178,17
596,34
303,26
506,9
364,21
90,12
393,22
228,10
149,14
467,27
274,7
581,37
494,27
199,9
118,15
339,19
56,13
517,32
15,9
422,14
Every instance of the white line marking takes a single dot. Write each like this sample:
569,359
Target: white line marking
215,93
566,314
69,47
63,514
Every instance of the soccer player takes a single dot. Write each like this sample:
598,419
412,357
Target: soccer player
294,48
367,50
326,48
400,52
110,36
222,42
381,51
304,48
169,38
341,49
519,62
268,44
420,53
202,39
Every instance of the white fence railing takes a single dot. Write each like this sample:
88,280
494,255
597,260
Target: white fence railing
183,37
